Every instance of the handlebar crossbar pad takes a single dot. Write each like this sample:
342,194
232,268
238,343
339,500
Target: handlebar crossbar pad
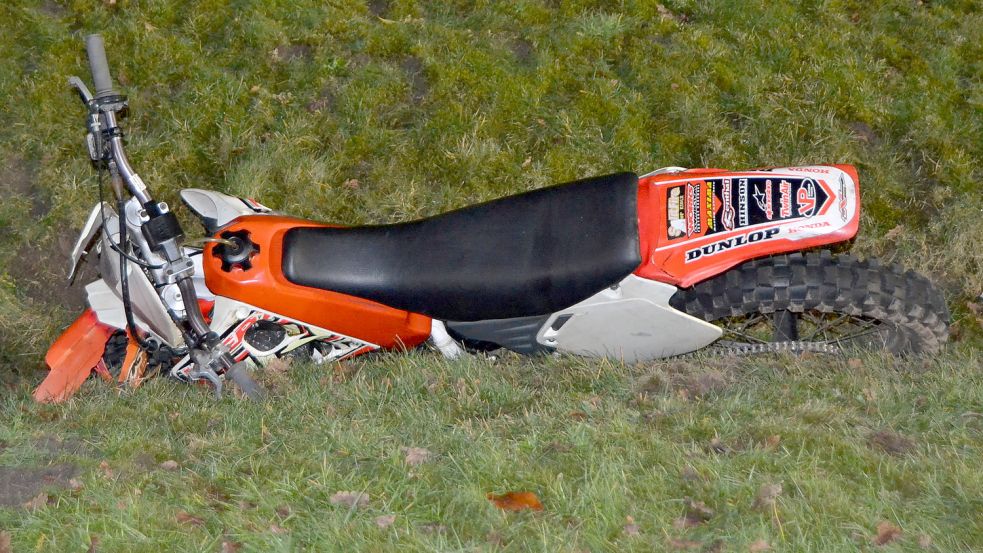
96,49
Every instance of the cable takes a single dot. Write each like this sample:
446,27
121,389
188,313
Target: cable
124,281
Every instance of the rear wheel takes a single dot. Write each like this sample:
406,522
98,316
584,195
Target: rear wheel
820,302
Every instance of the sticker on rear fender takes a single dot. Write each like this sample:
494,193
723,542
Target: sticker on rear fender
739,241
704,207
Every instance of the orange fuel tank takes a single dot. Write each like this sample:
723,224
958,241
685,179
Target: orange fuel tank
261,283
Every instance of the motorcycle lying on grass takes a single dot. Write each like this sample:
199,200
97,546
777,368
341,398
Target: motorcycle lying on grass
621,266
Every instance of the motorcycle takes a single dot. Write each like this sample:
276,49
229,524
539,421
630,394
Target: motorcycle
628,267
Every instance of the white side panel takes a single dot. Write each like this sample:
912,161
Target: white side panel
631,322
148,309
88,234
219,208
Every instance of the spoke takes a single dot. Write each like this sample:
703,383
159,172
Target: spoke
744,335
824,325
870,330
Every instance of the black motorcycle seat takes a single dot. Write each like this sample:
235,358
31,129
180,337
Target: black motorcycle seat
529,254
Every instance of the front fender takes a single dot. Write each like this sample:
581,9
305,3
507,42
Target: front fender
73,357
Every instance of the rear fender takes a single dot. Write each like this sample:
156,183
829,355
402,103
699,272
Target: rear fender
73,357
698,223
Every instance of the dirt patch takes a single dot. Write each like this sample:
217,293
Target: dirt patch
19,484
891,442
684,379
53,9
325,101
419,85
524,52
865,133
53,445
18,177
44,277
291,52
379,8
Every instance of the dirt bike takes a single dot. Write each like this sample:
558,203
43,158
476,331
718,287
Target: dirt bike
621,266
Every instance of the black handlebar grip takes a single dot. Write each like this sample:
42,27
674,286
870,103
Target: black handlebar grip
96,49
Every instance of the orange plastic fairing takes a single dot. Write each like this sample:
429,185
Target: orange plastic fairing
698,223
263,285
73,356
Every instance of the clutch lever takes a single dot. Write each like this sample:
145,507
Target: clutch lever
82,90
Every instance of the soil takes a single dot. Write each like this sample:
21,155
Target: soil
18,485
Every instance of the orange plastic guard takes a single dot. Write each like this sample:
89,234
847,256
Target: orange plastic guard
72,358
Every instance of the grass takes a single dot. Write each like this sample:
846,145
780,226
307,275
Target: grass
355,113
888,440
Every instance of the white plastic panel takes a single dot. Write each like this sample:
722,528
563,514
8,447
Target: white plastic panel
632,321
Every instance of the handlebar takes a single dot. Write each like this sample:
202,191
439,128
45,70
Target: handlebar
96,50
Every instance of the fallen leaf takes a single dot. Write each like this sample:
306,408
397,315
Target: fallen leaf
229,546
698,510
352,500
433,528
854,363
527,162
578,415
416,456
106,470
891,442
716,446
689,474
185,517
767,494
38,501
75,484
716,546
385,521
893,233
352,184
169,464
93,544
696,514
277,529
771,442
495,538
680,544
283,511
759,546
886,533
924,541
5,546
631,529
516,501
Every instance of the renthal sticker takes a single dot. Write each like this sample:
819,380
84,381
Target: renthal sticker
728,213
694,209
675,213
806,198
728,243
711,207
785,203
764,200
842,198
742,203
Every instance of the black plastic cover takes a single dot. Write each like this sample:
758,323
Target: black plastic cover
529,254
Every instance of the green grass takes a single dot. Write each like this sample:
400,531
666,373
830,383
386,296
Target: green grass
597,442
355,113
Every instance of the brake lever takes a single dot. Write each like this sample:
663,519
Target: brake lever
82,90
